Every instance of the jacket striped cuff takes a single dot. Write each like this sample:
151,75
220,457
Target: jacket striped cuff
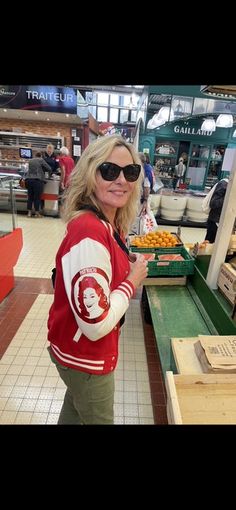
127,288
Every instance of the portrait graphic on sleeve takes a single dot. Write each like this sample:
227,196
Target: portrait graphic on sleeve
92,298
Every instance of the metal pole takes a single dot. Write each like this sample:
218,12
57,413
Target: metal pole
13,206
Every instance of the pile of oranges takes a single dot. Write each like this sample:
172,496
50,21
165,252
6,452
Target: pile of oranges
156,239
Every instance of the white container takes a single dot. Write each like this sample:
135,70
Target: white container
172,207
154,202
194,210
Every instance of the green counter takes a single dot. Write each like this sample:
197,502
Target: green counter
187,311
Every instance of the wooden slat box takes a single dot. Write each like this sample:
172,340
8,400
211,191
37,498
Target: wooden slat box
185,356
201,399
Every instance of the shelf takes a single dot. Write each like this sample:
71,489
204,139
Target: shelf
165,165
165,155
14,140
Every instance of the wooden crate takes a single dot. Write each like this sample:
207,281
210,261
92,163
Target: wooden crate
201,399
227,282
185,356
168,280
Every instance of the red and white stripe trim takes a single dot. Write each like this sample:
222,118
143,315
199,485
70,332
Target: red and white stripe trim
127,288
80,362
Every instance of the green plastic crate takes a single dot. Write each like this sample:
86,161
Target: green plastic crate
169,268
157,250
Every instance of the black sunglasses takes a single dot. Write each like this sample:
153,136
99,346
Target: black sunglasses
110,171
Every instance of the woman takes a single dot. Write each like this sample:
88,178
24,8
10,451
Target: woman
84,347
35,182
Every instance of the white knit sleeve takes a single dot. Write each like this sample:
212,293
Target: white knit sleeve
87,274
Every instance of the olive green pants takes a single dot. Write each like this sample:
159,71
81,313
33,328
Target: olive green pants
88,399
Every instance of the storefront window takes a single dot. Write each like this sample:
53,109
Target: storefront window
200,151
196,175
197,163
216,160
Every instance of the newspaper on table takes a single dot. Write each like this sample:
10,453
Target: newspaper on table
217,354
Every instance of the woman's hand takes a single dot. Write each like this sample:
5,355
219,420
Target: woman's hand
138,270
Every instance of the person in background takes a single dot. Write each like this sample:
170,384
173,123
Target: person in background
179,172
216,204
100,204
148,166
51,159
35,182
66,165
147,183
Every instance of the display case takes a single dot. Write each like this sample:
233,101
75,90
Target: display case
198,162
205,165
9,184
215,164
165,159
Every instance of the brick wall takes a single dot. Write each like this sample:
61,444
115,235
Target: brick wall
37,128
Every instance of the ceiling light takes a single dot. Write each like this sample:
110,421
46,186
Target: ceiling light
155,122
208,125
36,113
4,109
67,115
224,120
159,119
166,113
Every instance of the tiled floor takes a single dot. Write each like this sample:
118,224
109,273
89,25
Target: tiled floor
31,391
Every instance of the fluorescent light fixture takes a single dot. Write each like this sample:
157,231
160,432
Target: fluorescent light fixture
224,120
208,125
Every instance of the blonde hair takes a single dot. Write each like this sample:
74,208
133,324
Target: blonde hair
81,190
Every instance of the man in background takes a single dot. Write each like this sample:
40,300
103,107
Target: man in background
216,205
179,172
51,159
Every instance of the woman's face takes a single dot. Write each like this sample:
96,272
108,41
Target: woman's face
90,298
114,194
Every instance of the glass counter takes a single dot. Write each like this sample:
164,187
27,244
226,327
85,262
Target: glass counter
8,218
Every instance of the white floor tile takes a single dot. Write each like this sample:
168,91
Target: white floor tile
131,420
23,418
131,410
